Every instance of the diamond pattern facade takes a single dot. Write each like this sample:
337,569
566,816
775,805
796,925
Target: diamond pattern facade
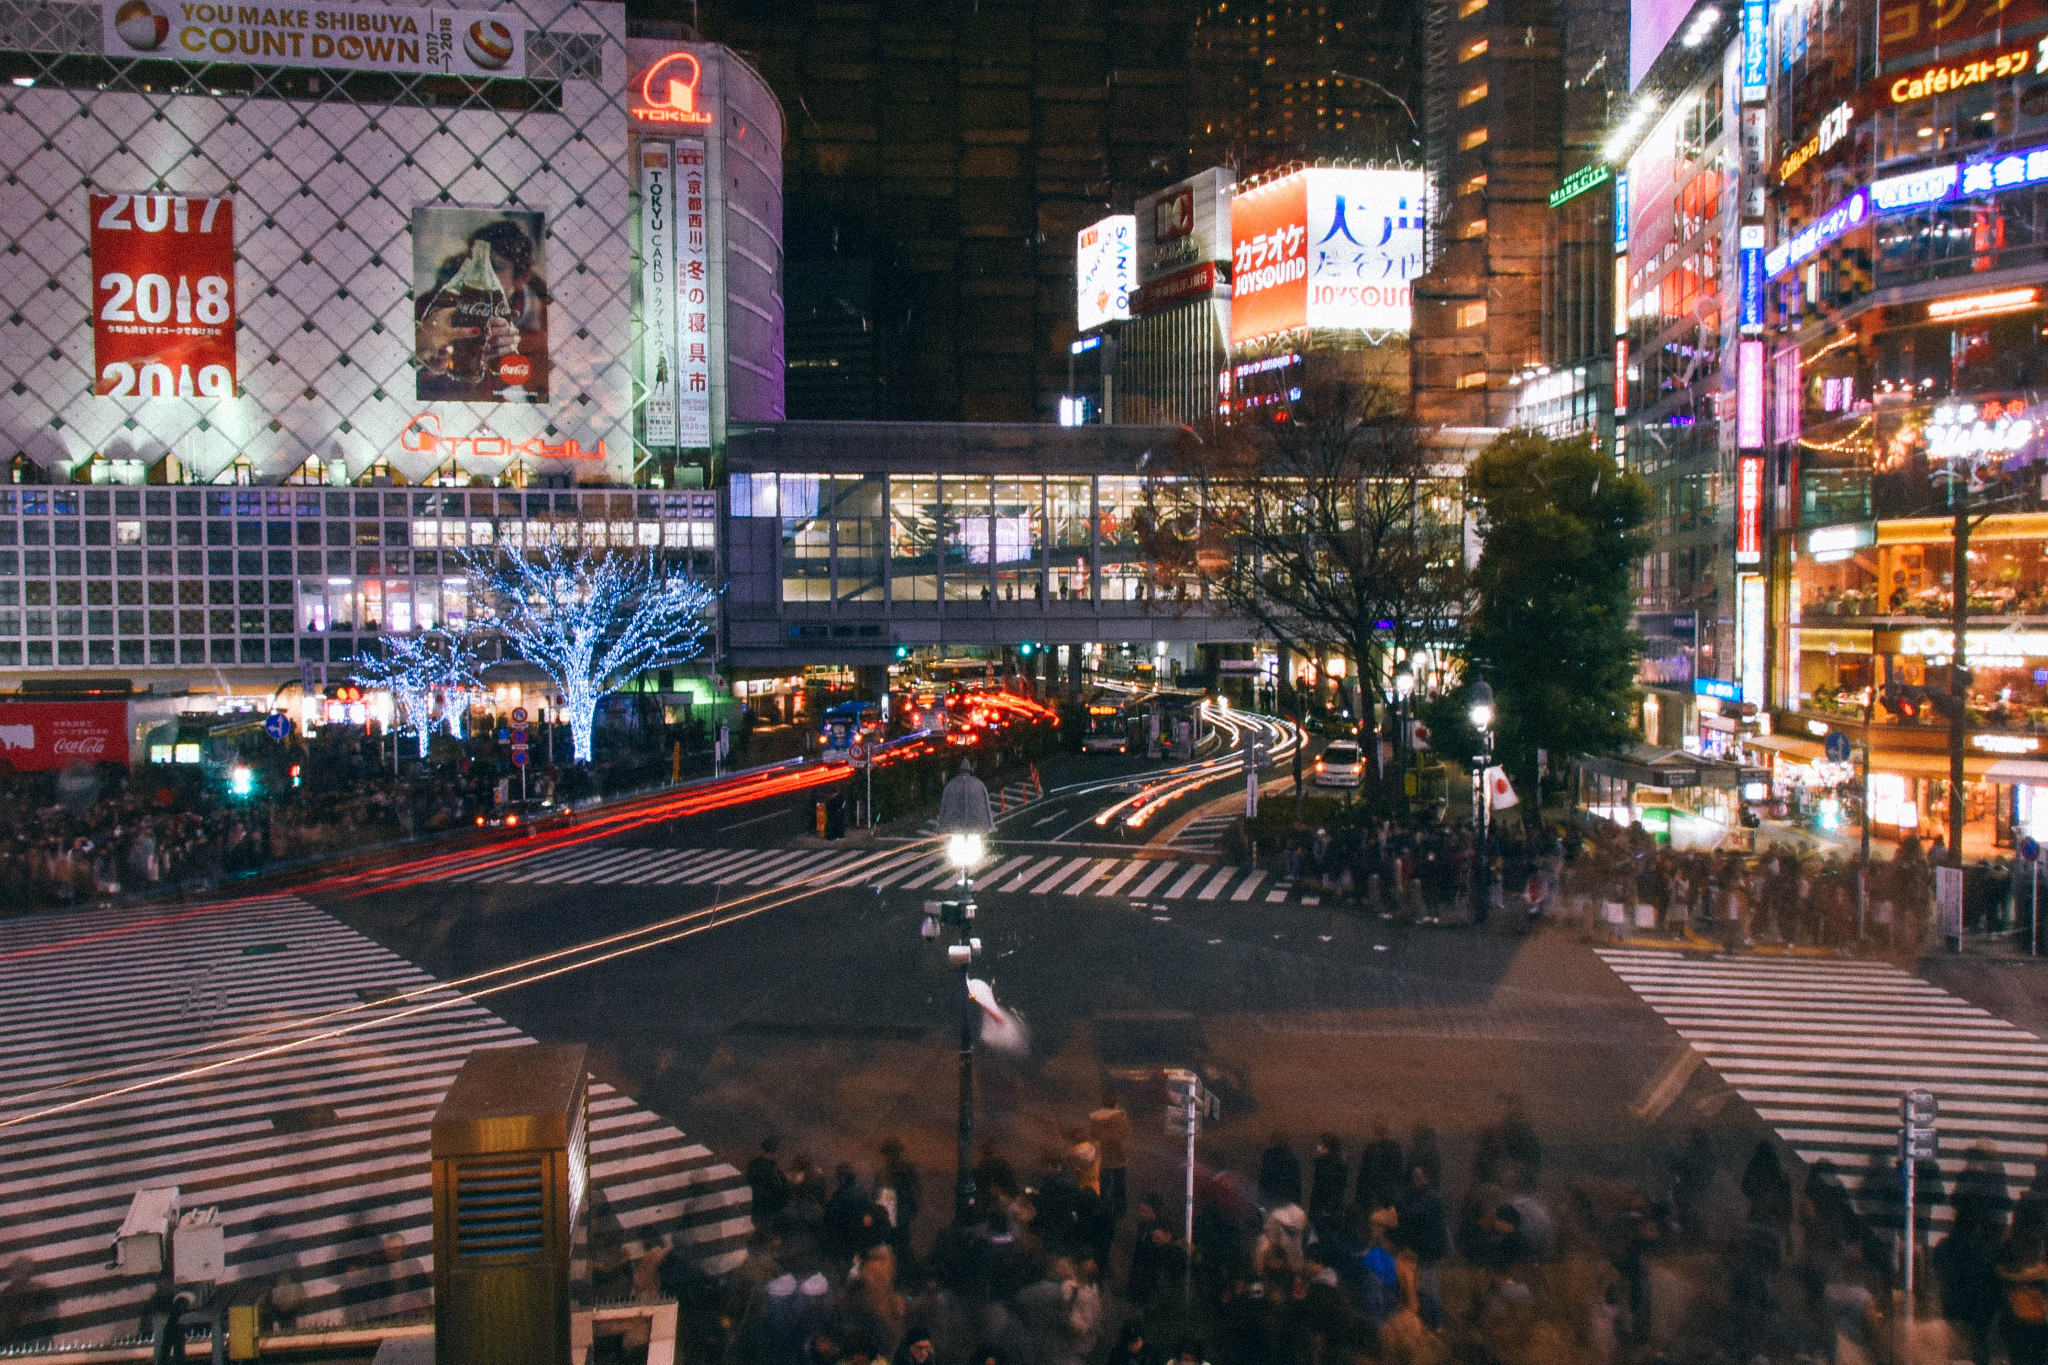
324,173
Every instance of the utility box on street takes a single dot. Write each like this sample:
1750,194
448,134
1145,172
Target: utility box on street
510,1153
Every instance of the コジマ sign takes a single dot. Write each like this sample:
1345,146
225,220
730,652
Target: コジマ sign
41,736
163,299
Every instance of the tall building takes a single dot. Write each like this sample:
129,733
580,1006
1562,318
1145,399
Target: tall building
940,163
1493,118
376,305
1305,80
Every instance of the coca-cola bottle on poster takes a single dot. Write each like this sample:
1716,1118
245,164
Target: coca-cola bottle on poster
475,296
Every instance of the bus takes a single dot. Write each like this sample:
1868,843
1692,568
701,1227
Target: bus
1109,729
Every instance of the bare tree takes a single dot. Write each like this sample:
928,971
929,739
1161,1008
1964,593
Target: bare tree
1331,528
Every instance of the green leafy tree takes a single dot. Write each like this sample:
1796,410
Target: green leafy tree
1551,629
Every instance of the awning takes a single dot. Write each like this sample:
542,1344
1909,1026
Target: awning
2029,770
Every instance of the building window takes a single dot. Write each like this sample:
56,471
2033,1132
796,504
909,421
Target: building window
1468,8
1471,314
1475,228
1475,138
1474,184
913,539
1475,379
1472,96
969,542
806,540
1475,48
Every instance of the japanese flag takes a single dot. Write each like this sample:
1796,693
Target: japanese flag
1500,793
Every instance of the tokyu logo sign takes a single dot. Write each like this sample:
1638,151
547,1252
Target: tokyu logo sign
668,92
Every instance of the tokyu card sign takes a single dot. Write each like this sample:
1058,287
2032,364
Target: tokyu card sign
657,291
344,37
1326,248
163,268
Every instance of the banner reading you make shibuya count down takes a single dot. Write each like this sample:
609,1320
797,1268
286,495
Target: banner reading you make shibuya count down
339,36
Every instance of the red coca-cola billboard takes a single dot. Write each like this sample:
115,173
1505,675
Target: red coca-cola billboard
41,736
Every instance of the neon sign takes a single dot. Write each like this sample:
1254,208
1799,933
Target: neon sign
673,100
1941,79
1842,218
422,435
1834,126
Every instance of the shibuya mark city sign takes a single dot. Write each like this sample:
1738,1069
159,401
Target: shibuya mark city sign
345,37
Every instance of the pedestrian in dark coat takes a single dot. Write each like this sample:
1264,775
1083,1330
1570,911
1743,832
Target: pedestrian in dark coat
1279,1174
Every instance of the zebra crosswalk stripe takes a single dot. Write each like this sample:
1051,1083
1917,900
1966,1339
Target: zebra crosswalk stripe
915,867
1824,1050
316,1156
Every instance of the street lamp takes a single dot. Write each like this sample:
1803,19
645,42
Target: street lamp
1404,688
1481,703
966,819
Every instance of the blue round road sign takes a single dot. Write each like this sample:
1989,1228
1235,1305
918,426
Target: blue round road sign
1837,747
519,757
278,726
2029,849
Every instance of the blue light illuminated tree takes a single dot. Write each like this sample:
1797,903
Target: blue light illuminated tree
591,619
420,671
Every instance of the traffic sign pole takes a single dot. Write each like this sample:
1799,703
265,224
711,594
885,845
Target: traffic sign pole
2030,849
1918,1141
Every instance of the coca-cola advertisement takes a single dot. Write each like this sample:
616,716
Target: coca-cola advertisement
43,736
480,294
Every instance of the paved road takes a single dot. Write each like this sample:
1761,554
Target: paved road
271,1063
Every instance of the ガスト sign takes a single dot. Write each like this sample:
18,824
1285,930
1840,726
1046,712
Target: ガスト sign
163,270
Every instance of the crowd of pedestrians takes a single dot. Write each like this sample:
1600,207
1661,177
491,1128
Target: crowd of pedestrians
1358,1254
92,834
1622,882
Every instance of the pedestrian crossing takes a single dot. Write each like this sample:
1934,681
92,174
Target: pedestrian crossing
1823,1050
1203,834
314,1150
919,867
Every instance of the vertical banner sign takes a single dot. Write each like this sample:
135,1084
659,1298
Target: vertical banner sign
1620,211
1751,637
1269,259
693,295
1756,51
1750,268
1749,395
1787,398
163,268
657,292
1749,509
1620,376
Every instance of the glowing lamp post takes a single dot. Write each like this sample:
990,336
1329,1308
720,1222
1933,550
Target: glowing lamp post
1481,703
965,821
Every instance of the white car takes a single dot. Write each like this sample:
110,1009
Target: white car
1341,765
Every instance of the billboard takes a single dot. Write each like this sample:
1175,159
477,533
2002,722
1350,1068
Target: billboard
1104,267
163,269
1651,25
1181,234
42,736
344,37
657,293
1906,26
480,326
1326,248
693,299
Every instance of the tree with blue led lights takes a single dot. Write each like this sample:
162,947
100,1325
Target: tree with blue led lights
423,673
591,619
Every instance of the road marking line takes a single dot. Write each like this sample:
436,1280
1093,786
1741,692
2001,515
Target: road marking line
1016,883
1060,876
1116,883
1159,875
1188,879
1217,883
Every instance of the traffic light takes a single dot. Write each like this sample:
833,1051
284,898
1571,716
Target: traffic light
902,653
241,781
295,774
